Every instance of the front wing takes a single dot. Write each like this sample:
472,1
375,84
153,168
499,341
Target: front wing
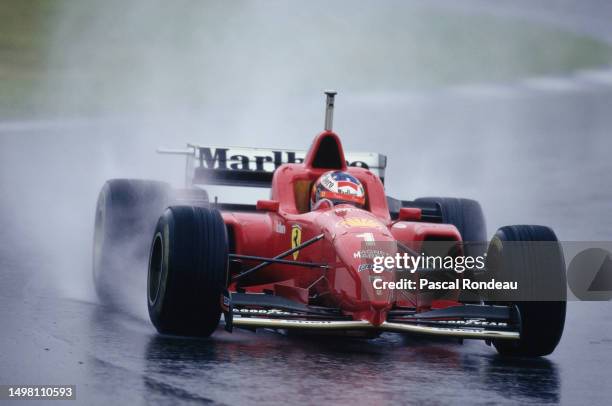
485,322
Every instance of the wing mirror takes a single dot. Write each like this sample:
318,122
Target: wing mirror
267,205
409,214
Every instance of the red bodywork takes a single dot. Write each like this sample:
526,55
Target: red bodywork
346,229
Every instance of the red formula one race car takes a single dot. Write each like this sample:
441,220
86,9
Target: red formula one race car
330,266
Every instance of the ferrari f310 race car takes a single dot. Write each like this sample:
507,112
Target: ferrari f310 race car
279,264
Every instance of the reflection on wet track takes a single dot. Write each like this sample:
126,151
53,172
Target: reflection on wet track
386,370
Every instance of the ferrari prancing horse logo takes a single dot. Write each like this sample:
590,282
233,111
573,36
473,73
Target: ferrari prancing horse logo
296,239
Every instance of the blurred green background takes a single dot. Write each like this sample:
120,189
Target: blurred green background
74,58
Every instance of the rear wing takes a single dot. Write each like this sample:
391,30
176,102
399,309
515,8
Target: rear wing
254,167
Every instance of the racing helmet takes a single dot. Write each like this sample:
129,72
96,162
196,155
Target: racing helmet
338,187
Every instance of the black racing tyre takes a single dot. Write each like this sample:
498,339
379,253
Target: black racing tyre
465,214
188,268
532,256
126,214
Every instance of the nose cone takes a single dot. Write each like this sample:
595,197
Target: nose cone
359,239
359,258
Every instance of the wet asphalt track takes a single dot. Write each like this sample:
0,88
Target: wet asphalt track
529,156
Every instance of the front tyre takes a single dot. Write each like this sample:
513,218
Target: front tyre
187,271
532,256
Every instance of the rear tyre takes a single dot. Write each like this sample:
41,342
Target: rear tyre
465,214
187,271
126,212
531,256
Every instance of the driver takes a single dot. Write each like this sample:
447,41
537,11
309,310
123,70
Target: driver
337,187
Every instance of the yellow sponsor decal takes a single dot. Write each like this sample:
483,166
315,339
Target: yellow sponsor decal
361,222
296,239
